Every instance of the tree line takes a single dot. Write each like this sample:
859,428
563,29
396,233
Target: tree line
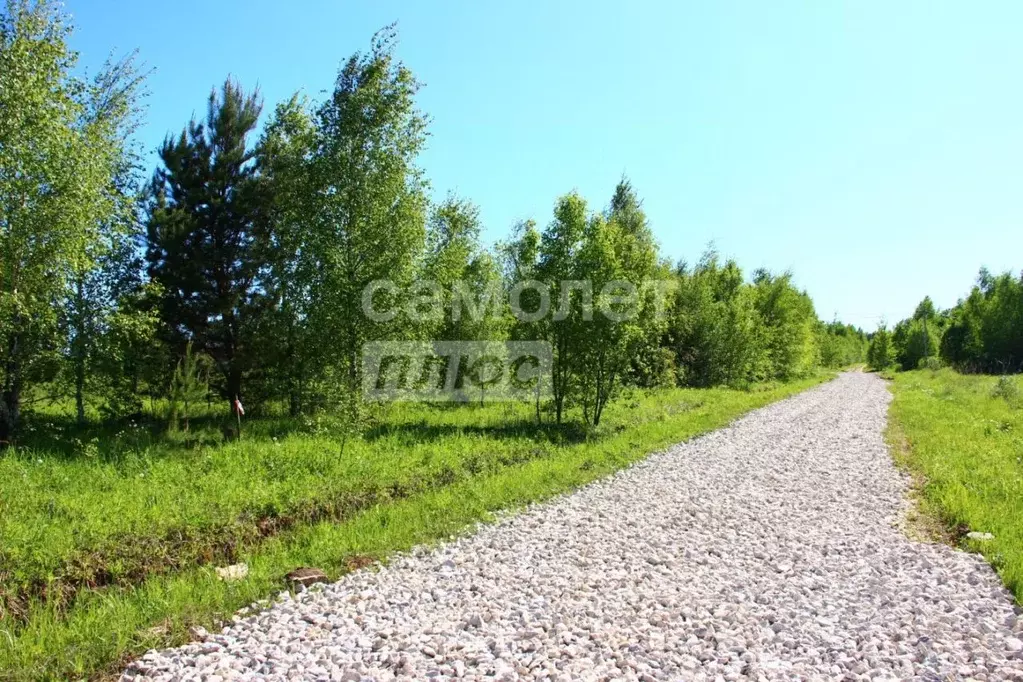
982,333
239,268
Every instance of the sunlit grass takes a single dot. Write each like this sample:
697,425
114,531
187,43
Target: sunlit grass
109,551
964,435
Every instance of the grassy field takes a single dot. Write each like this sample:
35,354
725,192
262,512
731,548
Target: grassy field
963,435
108,541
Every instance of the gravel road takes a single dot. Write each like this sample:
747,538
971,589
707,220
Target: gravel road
766,550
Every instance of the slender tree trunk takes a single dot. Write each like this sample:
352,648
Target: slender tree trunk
234,386
299,396
10,397
232,359
79,350
80,390
539,379
10,411
599,401
294,370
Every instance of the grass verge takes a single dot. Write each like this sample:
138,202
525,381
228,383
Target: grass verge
961,437
108,555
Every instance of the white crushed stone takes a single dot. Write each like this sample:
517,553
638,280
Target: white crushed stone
766,550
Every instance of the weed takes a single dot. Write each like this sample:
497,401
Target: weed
1007,389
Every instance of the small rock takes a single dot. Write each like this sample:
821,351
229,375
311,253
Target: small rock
233,573
305,577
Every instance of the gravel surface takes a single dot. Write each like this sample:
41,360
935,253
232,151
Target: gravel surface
767,550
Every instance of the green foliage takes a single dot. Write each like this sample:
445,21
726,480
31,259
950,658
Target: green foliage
132,362
841,345
714,328
985,330
288,346
651,363
982,333
1007,389
331,202
724,330
350,210
63,149
465,276
558,262
917,339
881,353
202,246
190,385
246,268
594,270
617,257
913,341
789,326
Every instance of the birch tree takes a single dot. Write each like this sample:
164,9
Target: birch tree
63,142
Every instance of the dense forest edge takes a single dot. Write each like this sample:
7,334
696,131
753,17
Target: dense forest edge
981,334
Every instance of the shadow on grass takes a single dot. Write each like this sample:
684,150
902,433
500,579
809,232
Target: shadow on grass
61,437
421,431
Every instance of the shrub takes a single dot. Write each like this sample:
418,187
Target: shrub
189,386
880,354
1006,388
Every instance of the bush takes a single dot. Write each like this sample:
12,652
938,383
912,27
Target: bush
880,354
986,328
932,363
1006,388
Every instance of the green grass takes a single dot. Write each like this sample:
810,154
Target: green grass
963,435
108,545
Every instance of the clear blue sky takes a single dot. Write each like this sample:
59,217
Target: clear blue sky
874,148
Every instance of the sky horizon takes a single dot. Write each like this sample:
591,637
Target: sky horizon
872,150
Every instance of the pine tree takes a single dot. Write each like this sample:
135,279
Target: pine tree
189,386
881,354
203,231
